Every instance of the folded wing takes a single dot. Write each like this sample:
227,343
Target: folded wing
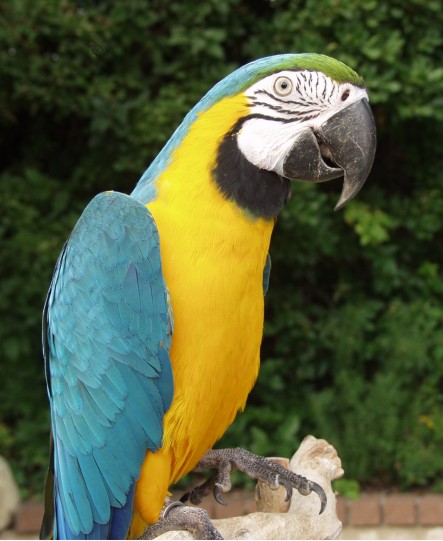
107,333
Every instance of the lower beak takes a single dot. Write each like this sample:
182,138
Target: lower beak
344,145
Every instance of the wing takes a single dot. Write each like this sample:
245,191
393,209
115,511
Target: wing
106,342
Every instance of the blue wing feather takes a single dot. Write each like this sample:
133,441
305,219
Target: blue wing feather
107,334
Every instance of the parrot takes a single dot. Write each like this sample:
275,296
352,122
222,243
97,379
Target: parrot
154,317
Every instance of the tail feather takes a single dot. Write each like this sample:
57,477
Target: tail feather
46,530
116,528
121,518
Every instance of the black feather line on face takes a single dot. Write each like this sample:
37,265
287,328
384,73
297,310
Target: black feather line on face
265,117
292,102
294,115
261,193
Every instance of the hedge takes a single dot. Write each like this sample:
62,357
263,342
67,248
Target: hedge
353,347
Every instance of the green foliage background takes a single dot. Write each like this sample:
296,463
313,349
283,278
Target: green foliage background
353,349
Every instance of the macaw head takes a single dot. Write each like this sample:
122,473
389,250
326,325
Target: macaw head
303,117
309,120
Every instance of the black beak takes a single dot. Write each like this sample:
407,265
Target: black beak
344,145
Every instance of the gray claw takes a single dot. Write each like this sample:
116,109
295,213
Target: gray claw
165,512
321,494
288,488
218,494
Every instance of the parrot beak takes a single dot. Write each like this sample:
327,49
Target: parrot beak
344,145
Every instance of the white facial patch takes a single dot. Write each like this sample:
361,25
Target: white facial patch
284,104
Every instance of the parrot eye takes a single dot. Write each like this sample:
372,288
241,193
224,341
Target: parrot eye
345,95
283,86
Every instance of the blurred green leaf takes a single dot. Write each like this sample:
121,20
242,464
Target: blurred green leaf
348,488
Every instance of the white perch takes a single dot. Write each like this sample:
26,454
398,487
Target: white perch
299,519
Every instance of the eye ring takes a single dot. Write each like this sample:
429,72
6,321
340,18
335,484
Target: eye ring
283,86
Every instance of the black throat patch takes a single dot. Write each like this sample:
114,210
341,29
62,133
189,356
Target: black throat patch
262,193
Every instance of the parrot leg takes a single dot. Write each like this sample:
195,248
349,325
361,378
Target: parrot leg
257,467
177,516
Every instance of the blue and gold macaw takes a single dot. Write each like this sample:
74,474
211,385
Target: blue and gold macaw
154,317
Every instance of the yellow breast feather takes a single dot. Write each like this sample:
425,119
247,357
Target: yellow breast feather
213,256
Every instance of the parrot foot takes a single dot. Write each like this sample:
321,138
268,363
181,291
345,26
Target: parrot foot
257,467
177,516
196,495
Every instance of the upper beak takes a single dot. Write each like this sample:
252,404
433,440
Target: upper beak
344,145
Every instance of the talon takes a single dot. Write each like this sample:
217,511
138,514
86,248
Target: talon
288,488
165,512
218,495
321,494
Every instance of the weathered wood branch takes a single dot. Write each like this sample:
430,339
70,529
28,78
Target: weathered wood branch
315,459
